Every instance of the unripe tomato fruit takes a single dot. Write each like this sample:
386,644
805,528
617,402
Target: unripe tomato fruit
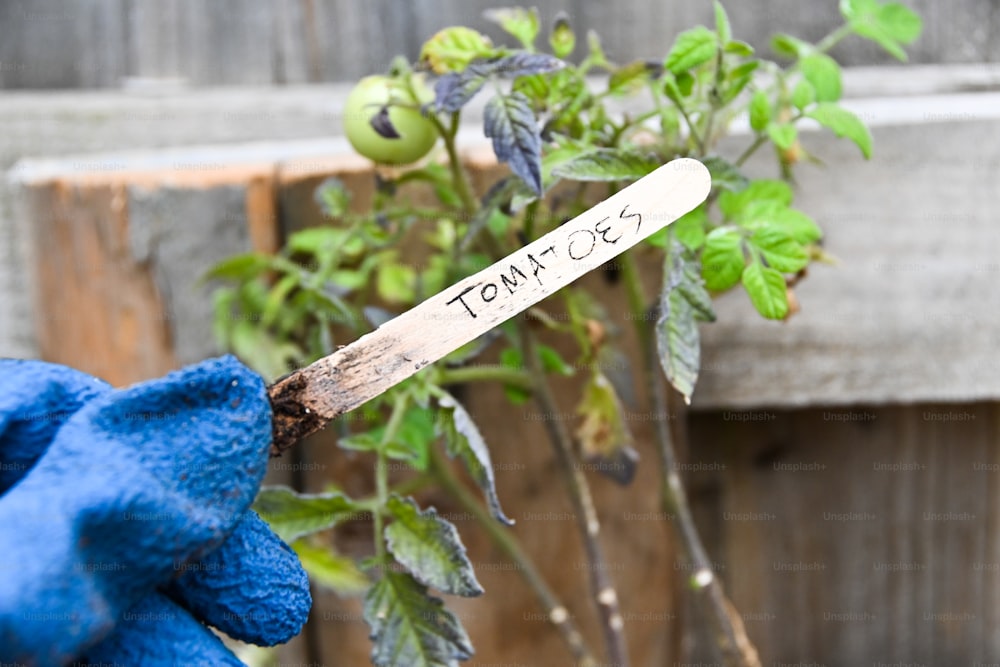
366,100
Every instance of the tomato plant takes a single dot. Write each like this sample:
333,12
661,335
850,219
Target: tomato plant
553,126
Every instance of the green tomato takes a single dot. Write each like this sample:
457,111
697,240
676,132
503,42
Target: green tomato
369,97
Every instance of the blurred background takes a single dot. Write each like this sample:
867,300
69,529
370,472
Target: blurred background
844,465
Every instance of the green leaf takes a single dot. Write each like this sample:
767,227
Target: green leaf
552,362
739,48
606,164
796,225
595,51
722,27
767,290
239,268
690,228
411,627
685,84
683,303
562,40
803,95
603,434
316,240
430,548
292,515
823,73
725,174
510,122
260,350
413,438
790,47
760,111
463,440
517,21
782,252
733,204
783,135
395,282
888,25
628,79
692,48
722,261
843,123
331,570
452,49
900,22
333,197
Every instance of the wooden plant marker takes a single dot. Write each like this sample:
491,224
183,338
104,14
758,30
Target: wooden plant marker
307,399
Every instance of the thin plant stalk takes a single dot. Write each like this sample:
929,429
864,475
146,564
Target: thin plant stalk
602,588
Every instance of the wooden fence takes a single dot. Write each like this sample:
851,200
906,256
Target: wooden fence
101,43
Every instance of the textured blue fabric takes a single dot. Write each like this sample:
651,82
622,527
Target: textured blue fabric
112,495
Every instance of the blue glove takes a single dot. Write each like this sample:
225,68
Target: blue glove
125,525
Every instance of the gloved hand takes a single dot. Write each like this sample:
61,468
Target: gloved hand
124,519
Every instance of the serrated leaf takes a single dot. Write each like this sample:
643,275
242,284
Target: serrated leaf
331,570
767,290
606,164
563,39
843,123
722,261
453,90
722,26
725,175
452,49
760,111
509,121
526,64
823,73
888,25
803,95
517,21
292,515
410,627
782,134
463,440
430,548
782,252
691,48
683,302
690,228
734,203
603,434
796,225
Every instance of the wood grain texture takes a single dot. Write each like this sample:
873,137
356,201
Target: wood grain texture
97,43
870,531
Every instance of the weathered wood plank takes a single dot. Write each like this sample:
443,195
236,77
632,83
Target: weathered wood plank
857,536
95,43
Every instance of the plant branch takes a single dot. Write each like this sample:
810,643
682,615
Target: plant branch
736,648
486,373
505,540
605,595
382,469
